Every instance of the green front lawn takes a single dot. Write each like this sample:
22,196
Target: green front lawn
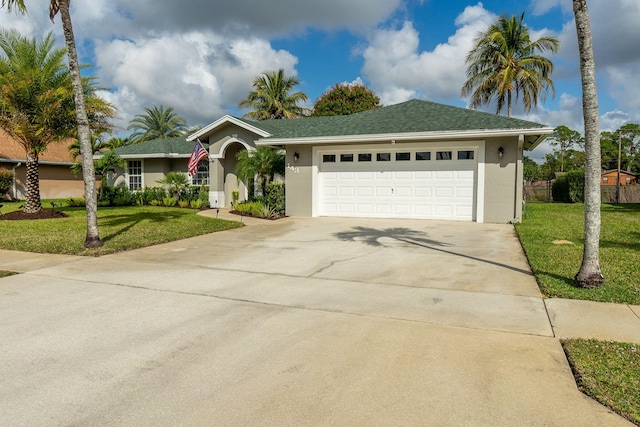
121,228
609,372
555,265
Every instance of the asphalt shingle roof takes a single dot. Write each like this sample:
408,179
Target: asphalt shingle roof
178,146
407,117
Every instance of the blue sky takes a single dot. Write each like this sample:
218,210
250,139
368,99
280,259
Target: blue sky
200,56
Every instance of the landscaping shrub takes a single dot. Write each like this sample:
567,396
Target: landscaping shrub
275,197
183,203
151,193
75,203
196,204
117,196
569,188
6,181
169,201
256,209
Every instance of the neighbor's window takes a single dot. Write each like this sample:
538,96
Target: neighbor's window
383,157
423,155
605,179
465,155
443,155
628,180
328,158
364,157
346,157
134,171
403,157
202,174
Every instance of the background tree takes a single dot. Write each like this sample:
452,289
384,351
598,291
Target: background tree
531,170
92,238
263,162
37,106
629,138
589,275
505,60
344,99
564,139
272,97
108,162
156,122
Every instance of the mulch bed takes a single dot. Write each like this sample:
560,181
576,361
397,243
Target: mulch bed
43,214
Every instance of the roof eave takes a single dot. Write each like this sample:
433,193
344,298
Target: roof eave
224,120
409,136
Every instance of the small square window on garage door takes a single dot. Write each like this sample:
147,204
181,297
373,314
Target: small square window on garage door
403,157
328,158
465,155
383,157
346,157
443,155
423,155
364,157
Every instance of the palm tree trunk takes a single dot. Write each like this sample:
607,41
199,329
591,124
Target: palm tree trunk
92,239
509,108
32,204
589,275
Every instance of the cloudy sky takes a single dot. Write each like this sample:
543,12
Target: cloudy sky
200,56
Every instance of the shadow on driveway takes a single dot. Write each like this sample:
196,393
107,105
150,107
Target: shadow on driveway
372,237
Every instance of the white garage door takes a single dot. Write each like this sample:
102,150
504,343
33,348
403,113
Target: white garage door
401,183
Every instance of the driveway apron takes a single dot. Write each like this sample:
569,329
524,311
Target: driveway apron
319,321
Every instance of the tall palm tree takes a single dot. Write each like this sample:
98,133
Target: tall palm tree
263,162
92,238
156,122
37,104
505,60
272,97
589,275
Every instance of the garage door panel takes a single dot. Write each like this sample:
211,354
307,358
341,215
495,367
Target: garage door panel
402,189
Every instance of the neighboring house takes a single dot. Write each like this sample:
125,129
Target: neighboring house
610,177
148,162
416,159
56,179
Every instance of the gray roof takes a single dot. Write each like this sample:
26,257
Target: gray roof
413,116
175,146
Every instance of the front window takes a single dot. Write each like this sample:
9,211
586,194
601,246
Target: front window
202,173
134,172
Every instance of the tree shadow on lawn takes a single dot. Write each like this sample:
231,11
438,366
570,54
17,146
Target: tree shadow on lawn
631,246
372,237
130,221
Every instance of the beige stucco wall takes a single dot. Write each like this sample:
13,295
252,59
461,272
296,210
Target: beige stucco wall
56,182
224,134
299,181
501,186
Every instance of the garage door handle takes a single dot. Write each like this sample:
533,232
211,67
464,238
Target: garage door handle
392,191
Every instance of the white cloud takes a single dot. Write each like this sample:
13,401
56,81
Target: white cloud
398,70
199,75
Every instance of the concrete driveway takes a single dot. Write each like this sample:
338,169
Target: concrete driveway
294,322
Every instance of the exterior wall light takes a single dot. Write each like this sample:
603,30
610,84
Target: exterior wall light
296,156
500,153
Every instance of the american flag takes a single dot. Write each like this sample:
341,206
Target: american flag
199,153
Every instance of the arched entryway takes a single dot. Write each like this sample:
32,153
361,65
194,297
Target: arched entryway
223,174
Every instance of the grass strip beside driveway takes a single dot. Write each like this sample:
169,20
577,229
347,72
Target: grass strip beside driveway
121,228
553,239
609,372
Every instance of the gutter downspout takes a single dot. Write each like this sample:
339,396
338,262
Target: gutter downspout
15,187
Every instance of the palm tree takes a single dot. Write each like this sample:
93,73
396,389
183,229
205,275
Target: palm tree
156,122
37,103
264,162
505,60
92,238
108,161
271,97
589,275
